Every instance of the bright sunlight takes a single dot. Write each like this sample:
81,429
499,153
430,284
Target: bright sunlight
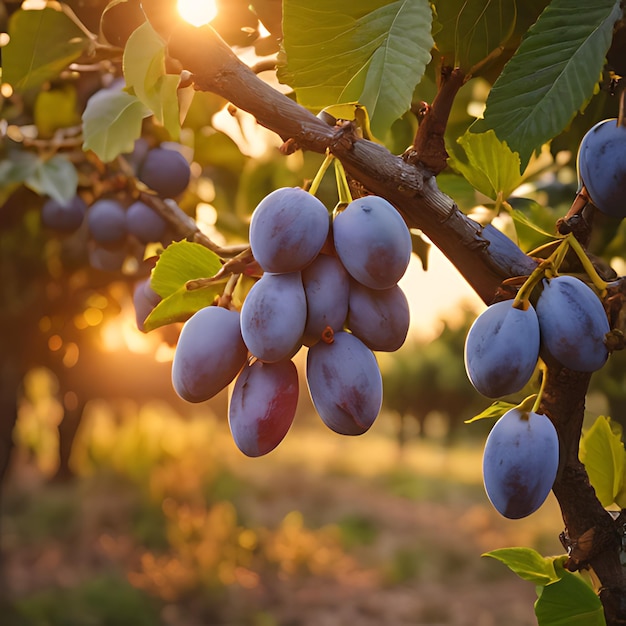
197,12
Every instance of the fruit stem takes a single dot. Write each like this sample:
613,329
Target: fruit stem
547,267
522,299
528,404
621,117
343,188
320,173
597,281
538,397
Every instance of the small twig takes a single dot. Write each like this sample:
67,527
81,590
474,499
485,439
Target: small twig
186,226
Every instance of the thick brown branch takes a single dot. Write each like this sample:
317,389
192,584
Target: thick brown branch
429,147
483,256
591,536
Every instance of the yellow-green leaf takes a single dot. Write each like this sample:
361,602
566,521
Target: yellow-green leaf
493,411
144,72
491,167
180,262
112,123
42,44
527,564
602,453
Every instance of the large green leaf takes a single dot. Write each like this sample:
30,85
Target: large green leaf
602,453
112,123
491,167
43,43
471,31
144,72
564,599
568,602
552,75
373,52
55,177
180,262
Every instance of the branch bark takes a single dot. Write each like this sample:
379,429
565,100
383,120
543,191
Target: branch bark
483,255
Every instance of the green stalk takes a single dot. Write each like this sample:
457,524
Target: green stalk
343,188
597,281
320,173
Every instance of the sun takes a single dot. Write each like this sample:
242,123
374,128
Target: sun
197,12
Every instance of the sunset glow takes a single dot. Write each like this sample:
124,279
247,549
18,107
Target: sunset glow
197,12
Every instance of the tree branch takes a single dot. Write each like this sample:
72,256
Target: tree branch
483,255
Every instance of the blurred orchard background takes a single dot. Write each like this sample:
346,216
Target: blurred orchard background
158,519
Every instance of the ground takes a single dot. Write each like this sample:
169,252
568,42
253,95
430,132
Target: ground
168,524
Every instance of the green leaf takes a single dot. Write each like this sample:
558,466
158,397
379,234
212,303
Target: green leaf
491,167
493,411
42,44
528,564
568,602
55,177
14,170
531,214
373,52
470,31
180,262
54,109
112,123
602,453
181,305
144,72
552,75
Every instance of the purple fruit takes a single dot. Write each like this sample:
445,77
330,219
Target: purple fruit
602,166
288,229
345,384
379,317
501,349
107,221
573,324
273,316
326,286
373,242
263,405
209,354
144,301
520,462
144,222
65,217
165,171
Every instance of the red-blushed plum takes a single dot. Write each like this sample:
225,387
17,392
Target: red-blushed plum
262,405
106,219
379,317
144,222
573,324
602,166
326,286
520,462
288,229
64,217
165,171
273,316
345,383
209,354
502,348
373,242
